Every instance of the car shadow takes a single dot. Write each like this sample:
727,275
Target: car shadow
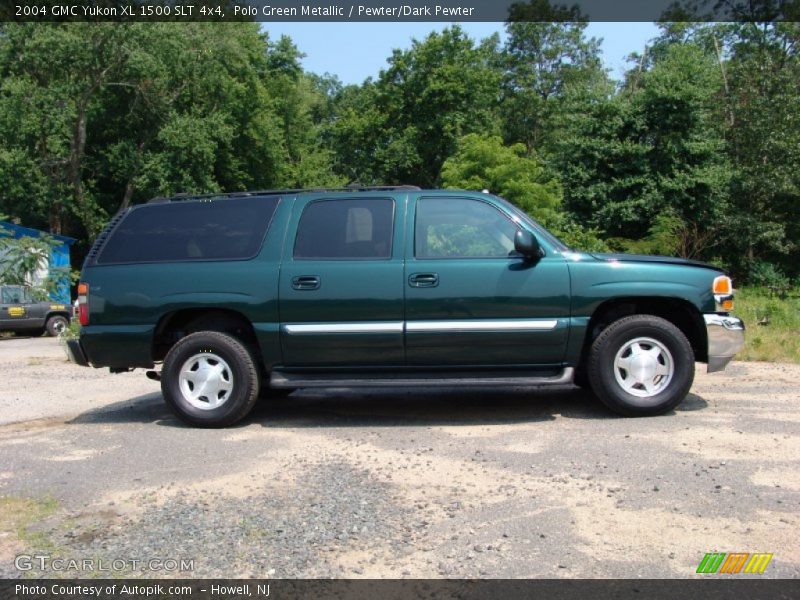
351,407
149,408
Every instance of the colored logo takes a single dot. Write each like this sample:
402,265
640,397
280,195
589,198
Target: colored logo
734,562
16,311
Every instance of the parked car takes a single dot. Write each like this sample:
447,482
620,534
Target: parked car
388,286
21,313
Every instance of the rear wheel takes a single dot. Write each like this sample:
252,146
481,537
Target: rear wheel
56,325
210,379
641,365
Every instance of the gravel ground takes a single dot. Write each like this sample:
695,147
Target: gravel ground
412,483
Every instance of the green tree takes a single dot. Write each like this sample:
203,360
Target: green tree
303,106
652,154
483,162
763,101
408,122
545,57
95,117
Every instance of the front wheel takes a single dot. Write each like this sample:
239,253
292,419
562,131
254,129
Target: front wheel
641,365
210,379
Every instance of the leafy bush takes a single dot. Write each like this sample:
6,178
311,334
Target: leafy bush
577,237
770,277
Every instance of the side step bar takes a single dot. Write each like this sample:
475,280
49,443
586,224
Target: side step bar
282,379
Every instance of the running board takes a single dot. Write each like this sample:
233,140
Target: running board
282,379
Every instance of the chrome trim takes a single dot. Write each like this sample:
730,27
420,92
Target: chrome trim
725,339
487,325
280,379
423,326
314,328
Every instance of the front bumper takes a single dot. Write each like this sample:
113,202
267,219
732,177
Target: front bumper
725,339
76,354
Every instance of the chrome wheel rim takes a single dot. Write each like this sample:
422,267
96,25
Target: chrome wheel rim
206,381
60,327
644,367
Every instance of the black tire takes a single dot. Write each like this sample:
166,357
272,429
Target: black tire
56,324
646,336
239,373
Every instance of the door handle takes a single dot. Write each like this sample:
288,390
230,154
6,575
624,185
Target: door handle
305,282
423,280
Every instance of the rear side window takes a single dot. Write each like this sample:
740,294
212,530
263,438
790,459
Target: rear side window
227,229
346,229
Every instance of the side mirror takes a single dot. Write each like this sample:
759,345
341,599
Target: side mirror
526,244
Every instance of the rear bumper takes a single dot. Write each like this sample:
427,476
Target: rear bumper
725,339
76,353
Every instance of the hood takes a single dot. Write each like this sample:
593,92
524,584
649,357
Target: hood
648,258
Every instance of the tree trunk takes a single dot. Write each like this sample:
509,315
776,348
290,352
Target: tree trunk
728,108
130,187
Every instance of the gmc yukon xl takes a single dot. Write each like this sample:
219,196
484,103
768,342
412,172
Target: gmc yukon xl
237,295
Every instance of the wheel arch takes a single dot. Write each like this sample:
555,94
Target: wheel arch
58,313
681,313
177,324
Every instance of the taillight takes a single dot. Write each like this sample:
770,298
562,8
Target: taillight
83,303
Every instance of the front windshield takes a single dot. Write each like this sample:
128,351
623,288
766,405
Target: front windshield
535,226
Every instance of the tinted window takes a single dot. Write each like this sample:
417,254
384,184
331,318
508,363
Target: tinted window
461,228
342,229
221,229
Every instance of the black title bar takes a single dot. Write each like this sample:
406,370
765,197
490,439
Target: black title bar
398,10
711,588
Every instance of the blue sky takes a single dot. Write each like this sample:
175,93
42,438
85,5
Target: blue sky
355,51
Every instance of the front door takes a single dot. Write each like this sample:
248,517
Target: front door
14,308
341,283
470,299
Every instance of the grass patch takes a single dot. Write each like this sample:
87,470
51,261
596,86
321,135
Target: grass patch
19,516
773,325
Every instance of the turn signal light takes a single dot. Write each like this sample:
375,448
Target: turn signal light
723,285
723,293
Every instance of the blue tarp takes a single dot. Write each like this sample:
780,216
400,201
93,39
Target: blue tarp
59,257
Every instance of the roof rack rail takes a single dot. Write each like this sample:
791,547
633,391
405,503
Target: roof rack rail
283,192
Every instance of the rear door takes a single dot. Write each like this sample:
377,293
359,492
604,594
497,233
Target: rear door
470,299
341,282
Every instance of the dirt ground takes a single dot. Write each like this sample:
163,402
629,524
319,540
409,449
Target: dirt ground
412,483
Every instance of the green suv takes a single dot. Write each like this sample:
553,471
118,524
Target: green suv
241,294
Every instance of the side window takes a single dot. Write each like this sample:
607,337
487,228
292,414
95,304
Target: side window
226,229
461,228
12,295
345,229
